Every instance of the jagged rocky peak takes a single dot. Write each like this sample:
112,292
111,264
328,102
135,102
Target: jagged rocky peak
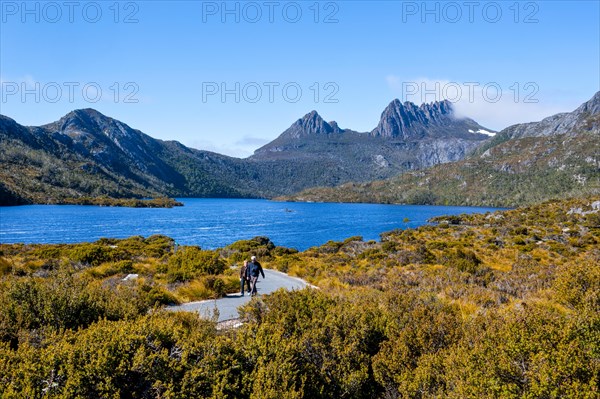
311,124
335,127
437,108
592,106
408,120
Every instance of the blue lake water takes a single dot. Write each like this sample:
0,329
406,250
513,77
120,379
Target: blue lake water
213,223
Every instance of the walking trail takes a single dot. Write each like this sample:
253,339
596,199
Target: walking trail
228,305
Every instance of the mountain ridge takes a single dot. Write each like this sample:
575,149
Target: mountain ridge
86,153
311,124
561,123
399,123
408,121
556,157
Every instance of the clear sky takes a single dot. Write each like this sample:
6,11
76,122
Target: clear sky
231,76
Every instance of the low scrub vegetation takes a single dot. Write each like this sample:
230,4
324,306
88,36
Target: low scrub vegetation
162,202
502,305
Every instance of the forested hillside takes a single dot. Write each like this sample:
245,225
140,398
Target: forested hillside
505,304
88,154
426,154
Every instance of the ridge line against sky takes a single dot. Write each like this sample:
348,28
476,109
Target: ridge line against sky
230,77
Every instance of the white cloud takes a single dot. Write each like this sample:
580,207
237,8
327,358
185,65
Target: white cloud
394,82
489,103
241,148
252,141
505,112
26,79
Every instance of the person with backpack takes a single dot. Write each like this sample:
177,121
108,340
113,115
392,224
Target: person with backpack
244,279
254,269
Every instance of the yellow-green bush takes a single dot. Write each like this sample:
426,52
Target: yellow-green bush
505,306
190,262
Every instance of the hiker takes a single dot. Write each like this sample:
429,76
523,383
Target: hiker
254,268
244,278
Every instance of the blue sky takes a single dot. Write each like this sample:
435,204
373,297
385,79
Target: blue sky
231,76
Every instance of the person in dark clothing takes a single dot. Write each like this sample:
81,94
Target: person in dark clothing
244,278
248,274
254,269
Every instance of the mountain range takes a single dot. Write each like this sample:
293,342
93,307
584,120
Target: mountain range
86,153
526,163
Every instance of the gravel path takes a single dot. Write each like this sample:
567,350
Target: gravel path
228,305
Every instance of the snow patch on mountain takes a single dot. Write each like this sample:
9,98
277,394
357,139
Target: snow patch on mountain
482,131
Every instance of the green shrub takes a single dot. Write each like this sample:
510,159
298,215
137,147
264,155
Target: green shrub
389,246
216,285
282,251
110,269
463,259
91,254
5,267
154,295
158,246
65,301
578,285
190,262
261,247
48,252
372,254
519,231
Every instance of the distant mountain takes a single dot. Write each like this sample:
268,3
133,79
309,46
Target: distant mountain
435,120
566,123
311,125
583,119
402,141
86,153
526,163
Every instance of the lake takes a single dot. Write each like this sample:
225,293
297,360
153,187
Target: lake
213,223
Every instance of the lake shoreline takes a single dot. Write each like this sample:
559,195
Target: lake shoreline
213,223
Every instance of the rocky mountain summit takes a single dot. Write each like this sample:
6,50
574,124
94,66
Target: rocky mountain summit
309,125
525,163
86,153
407,121
431,132
584,118
110,142
313,152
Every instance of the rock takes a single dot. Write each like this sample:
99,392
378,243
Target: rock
408,122
311,124
564,123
